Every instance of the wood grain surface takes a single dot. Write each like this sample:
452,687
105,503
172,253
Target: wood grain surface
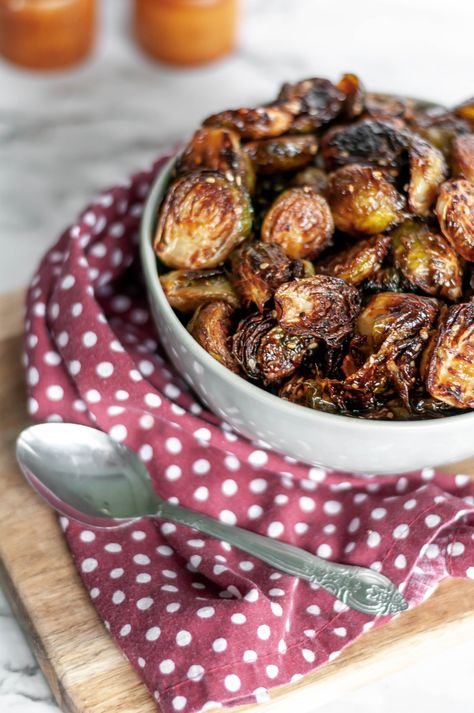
85,669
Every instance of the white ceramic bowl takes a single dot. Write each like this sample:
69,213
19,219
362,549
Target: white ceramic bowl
317,438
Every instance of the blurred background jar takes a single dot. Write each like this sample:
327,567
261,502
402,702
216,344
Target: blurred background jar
47,34
185,32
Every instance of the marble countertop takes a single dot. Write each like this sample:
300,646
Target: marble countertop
64,136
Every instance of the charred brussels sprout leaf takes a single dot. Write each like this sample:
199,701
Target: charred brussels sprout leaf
283,153
320,306
258,269
427,260
316,101
202,219
450,371
362,201
279,354
359,262
211,327
455,211
386,279
462,157
218,150
312,177
375,142
259,123
300,222
186,290
428,170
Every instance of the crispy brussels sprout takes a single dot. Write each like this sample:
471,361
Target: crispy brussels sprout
259,268
377,142
388,105
450,372
202,219
358,262
186,290
362,201
321,306
428,170
218,150
440,128
211,327
455,211
310,391
313,177
386,279
466,111
259,123
279,354
354,92
246,342
462,157
283,153
317,101
427,260
300,222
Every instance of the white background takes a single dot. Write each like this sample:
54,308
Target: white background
64,136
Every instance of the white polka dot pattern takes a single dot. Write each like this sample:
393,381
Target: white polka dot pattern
201,622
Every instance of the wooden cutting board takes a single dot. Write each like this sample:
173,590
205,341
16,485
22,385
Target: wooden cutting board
86,671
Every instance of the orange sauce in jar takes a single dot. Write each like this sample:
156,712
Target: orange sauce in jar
185,32
46,34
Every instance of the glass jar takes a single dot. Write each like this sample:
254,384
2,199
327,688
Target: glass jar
185,32
46,34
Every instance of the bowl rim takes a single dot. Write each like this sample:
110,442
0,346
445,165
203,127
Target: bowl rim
286,408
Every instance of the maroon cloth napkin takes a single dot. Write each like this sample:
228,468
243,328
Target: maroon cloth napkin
202,623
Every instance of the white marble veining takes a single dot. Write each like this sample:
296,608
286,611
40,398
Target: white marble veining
64,136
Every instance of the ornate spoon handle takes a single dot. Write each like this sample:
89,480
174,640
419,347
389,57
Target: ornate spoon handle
358,587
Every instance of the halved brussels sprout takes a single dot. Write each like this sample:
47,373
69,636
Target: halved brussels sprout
428,170
358,262
466,111
362,201
427,260
313,177
202,219
218,150
259,268
455,212
279,354
259,123
300,222
354,92
283,153
186,290
376,142
316,100
321,306
211,327
246,341
439,127
450,371
388,105
462,157
310,391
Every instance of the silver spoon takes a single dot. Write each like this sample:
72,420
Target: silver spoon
87,476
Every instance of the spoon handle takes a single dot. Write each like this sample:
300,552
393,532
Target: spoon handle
359,588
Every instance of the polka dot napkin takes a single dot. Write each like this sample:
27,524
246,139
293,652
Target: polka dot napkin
202,623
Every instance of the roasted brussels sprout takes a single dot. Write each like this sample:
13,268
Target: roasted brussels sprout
386,279
462,157
378,104
427,260
428,170
358,262
439,127
316,101
321,306
450,371
310,391
354,92
186,290
300,222
313,177
218,150
283,153
202,219
259,123
362,201
376,142
246,341
211,327
455,211
259,268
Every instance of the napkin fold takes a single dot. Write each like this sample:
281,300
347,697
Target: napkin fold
203,623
